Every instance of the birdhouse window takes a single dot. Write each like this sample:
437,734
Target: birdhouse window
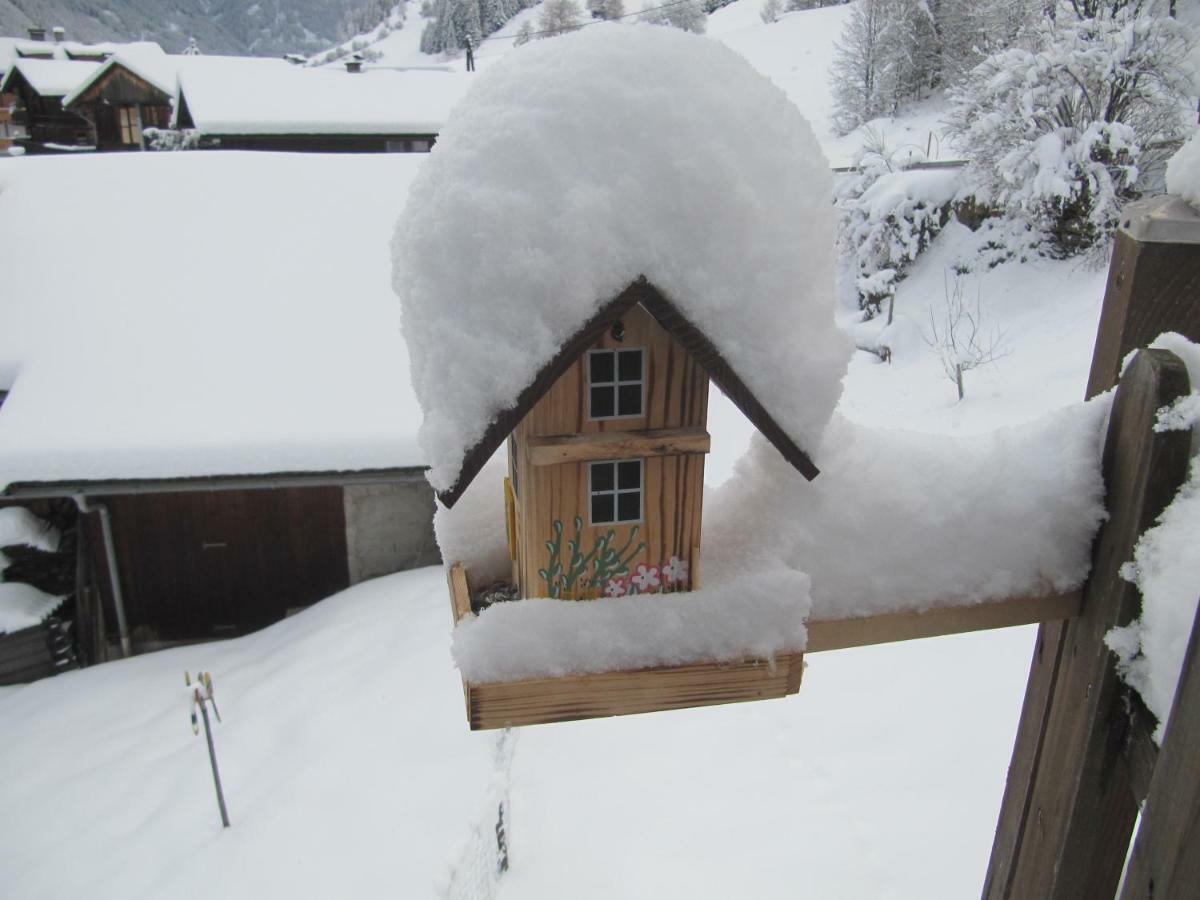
615,384
615,491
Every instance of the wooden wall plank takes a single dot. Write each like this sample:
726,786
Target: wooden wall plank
1166,853
1063,832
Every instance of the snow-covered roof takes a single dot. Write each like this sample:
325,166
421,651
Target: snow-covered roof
578,165
50,77
242,95
255,332
145,60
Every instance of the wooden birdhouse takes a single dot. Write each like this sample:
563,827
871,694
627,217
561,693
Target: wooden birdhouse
604,499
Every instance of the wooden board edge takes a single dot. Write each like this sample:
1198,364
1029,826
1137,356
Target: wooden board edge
840,634
460,592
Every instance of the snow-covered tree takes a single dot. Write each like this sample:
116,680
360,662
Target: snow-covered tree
524,34
559,17
1058,132
453,22
770,11
606,9
854,75
688,15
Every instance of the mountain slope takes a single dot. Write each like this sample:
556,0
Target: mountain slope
254,27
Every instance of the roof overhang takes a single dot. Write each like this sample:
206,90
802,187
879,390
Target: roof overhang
120,487
640,292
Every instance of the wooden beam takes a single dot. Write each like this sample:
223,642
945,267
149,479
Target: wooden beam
838,634
1166,854
1069,806
551,450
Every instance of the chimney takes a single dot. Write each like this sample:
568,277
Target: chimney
60,34
354,64
37,34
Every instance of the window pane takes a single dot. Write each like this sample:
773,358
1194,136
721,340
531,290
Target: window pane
602,476
629,475
602,366
602,404
602,509
629,400
629,507
630,365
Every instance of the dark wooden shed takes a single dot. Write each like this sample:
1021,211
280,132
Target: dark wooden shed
120,104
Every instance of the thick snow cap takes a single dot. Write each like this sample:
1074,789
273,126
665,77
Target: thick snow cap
582,162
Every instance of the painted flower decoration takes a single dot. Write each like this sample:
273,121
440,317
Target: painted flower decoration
615,588
645,578
675,571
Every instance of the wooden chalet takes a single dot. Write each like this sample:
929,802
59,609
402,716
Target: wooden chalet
121,101
39,86
266,104
604,498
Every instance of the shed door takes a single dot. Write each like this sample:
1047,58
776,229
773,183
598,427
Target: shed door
210,564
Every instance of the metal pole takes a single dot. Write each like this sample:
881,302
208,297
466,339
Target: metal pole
114,578
212,757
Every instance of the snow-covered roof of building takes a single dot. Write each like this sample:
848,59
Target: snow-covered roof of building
146,60
50,77
579,164
241,95
254,332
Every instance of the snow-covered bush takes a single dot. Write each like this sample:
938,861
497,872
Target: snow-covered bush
770,11
1059,131
688,15
171,138
888,217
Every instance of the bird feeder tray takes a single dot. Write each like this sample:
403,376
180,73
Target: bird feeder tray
539,701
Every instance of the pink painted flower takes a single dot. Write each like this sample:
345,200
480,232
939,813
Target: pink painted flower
676,570
645,578
615,588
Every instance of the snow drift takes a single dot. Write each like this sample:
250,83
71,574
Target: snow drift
574,166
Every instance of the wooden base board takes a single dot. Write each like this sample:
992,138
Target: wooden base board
543,700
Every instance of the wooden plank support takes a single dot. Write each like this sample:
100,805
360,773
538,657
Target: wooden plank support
552,450
838,634
1166,853
1069,806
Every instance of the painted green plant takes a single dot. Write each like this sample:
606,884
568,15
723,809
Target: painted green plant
567,576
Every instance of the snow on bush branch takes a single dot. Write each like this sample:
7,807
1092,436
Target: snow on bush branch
1059,129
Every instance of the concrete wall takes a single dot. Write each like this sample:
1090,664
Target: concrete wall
389,528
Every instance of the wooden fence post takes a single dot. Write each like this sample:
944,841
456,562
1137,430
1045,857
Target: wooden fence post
1153,284
1057,843
1069,806
1166,855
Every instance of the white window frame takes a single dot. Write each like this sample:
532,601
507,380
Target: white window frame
616,383
616,491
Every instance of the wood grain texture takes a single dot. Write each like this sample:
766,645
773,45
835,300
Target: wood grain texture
460,592
546,700
555,449
1152,288
838,634
1069,808
1166,853
676,401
